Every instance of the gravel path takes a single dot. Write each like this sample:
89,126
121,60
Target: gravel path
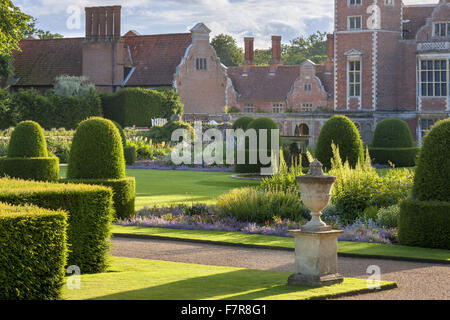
416,281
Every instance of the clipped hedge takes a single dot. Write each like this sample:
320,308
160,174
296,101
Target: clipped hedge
97,151
90,215
122,134
425,224
38,169
124,193
343,132
33,252
164,134
137,106
130,155
401,157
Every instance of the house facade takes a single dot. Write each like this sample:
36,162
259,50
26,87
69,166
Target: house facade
385,59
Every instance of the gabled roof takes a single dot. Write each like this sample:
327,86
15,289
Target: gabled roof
156,57
259,84
416,15
41,61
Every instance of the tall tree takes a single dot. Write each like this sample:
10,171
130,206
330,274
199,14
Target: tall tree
41,34
13,25
227,50
313,47
263,57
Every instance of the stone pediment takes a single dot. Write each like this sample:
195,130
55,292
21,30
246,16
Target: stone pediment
354,52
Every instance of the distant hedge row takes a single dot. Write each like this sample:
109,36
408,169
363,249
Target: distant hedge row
137,106
50,110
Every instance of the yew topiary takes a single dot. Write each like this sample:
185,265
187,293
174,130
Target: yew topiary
97,151
242,123
27,141
392,133
341,131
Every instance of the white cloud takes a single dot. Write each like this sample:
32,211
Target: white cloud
257,18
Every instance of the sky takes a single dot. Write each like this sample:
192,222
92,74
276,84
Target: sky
240,18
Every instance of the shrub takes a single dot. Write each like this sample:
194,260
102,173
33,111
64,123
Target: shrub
259,206
359,188
400,157
258,125
389,217
433,170
59,147
124,193
6,111
425,218
27,141
137,106
393,142
392,133
55,110
122,134
72,86
34,252
242,123
90,216
130,155
425,224
164,133
97,151
38,169
28,156
341,131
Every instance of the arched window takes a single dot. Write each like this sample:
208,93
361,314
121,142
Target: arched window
302,130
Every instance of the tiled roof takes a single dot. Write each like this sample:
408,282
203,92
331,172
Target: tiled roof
417,16
41,61
156,57
260,85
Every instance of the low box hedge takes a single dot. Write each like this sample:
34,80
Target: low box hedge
33,251
130,155
38,169
425,224
248,167
90,216
401,157
124,193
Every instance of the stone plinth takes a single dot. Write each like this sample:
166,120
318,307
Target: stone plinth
316,261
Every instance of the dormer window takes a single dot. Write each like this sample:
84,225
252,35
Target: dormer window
201,64
441,29
354,3
354,23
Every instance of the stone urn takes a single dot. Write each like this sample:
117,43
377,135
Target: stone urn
316,195
316,260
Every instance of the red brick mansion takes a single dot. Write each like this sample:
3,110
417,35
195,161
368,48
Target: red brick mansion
385,59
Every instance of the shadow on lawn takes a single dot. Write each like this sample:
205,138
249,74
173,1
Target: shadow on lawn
235,285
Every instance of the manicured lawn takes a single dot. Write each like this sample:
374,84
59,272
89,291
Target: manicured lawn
158,188
137,279
345,247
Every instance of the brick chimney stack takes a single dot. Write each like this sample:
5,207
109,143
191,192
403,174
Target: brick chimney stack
249,60
276,54
103,23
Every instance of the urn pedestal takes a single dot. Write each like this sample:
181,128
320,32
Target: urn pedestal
316,261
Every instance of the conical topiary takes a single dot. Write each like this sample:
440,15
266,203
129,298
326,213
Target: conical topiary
97,151
27,141
432,179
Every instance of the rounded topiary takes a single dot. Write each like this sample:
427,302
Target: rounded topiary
392,133
432,179
242,123
97,151
122,134
27,141
341,131
258,125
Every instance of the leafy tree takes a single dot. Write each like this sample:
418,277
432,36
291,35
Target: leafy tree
41,34
6,67
263,57
13,25
227,50
313,47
